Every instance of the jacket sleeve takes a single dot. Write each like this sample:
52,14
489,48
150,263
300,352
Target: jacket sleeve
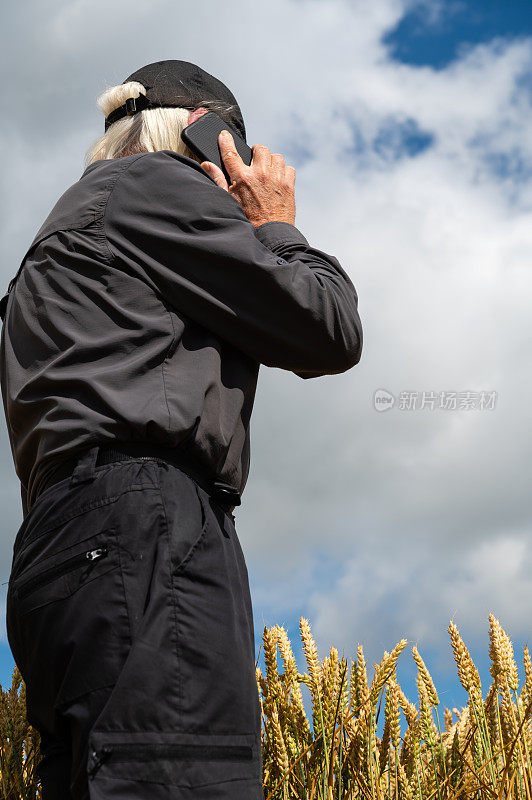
265,290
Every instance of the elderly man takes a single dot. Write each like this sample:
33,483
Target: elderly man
132,339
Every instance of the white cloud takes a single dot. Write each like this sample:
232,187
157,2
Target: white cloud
414,505
417,594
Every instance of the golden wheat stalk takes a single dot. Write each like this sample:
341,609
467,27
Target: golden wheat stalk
426,676
385,669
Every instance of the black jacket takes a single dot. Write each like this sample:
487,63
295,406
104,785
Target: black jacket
143,309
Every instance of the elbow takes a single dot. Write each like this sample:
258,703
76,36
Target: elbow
351,358
332,340
332,357
325,344
354,352
346,349
346,357
342,342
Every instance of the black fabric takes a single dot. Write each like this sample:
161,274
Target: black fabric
130,107
143,309
221,492
181,84
139,662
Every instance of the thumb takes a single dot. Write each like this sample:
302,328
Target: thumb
216,174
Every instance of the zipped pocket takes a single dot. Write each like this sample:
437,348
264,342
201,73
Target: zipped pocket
68,610
50,574
135,751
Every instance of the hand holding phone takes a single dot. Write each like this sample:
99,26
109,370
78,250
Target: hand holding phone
258,179
201,136
265,189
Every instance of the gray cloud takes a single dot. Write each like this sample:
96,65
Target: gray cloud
424,513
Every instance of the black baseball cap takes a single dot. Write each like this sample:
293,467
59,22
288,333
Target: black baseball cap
180,84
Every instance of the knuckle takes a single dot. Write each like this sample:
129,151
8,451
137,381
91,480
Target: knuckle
238,181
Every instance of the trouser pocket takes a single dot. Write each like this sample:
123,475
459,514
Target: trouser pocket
62,602
128,761
30,590
185,710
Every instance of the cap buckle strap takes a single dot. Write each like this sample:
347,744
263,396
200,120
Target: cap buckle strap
131,106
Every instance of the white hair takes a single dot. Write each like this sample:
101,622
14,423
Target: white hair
146,131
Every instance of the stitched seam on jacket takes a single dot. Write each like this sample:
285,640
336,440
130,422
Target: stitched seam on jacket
101,206
163,367
107,194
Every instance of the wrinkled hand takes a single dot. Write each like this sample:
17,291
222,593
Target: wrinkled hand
265,189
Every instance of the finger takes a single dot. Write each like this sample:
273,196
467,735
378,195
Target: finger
278,162
261,156
230,157
216,174
290,174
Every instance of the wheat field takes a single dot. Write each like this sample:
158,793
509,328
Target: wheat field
483,752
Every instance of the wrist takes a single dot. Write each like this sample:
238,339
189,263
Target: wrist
276,235
290,220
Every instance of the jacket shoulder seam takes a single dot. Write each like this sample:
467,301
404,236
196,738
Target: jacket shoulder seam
112,257
99,212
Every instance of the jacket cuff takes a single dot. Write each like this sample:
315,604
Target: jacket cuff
276,234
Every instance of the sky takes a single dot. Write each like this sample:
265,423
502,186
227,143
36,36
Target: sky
383,502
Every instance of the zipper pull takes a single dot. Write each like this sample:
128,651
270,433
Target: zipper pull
98,553
99,756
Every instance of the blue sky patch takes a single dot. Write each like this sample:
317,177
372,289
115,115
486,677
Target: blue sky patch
509,165
512,166
397,140
435,34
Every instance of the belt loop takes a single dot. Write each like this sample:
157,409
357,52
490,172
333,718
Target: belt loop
84,470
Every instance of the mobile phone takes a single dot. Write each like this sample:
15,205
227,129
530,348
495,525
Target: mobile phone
202,138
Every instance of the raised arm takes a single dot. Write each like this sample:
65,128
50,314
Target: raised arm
263,289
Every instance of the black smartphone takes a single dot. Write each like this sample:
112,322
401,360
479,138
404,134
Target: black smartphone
202,138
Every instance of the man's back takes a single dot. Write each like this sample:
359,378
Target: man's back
91,351
143,309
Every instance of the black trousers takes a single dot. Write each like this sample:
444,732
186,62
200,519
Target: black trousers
129,616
